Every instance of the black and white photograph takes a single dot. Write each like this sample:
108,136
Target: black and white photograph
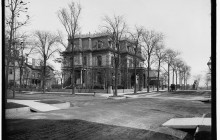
108,70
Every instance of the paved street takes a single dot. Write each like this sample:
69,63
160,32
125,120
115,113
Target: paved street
138,113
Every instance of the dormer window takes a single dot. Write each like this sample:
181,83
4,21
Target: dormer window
100,44
96,44
128,47
109,42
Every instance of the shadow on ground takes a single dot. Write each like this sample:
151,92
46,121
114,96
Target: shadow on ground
77,129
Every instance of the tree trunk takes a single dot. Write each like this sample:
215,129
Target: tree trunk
148,74
27,81
158,77
168,77
61,82
116,70
176,80
8,59
14,79
184,81
116,80
44,74
173,76
73,69
135,71
20,79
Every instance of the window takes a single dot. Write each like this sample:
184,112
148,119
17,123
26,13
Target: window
130,63
84,61
99,60
99,78
128,48
112,61
119,79
137,63
96,44
10,71
100,44
134,50
109,43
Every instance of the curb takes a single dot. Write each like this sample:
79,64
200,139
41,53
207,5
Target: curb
117,97
18,110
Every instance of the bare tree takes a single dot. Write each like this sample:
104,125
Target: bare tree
27,48
136,41
116,28
61,39
69,18
46,46
177,64
14,9
186,74
161,57
151,40
170,56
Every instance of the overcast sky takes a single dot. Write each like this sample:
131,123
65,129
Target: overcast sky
185,23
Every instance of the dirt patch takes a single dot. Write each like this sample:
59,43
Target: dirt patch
14,105
51,101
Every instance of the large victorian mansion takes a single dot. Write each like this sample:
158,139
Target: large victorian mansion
94,63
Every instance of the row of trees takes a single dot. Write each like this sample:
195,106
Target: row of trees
46,44
116,27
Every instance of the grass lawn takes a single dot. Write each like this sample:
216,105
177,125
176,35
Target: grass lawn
77,130
14,105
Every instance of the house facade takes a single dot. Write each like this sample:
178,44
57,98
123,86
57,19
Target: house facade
31,75
94,63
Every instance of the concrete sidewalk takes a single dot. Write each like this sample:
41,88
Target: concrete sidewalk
187,123
36,106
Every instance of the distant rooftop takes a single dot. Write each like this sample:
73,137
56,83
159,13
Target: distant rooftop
91,35
98,35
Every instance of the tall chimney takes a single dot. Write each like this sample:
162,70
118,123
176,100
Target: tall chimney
33,62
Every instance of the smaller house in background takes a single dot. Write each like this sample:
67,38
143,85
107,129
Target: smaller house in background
154,78
32,75
11,74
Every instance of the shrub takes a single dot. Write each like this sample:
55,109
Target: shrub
98,87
